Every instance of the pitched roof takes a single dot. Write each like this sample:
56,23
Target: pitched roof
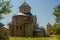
48,24
39,29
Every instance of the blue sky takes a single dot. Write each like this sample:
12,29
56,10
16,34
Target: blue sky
43,9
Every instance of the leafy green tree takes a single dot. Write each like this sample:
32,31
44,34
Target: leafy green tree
5,7
57,13
56,27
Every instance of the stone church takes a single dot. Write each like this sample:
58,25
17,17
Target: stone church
24,23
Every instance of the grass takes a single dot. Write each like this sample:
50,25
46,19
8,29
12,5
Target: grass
57,36
25,38
33,38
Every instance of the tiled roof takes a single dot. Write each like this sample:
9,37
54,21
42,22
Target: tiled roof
1,24
39,29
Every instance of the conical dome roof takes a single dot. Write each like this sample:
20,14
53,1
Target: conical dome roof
25,4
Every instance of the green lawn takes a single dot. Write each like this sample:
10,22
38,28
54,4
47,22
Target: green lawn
33,38
24,38
57,36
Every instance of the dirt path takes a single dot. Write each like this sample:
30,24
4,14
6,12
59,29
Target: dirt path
52,38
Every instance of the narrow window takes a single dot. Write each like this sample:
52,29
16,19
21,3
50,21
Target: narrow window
4,34
0,31
16,27
20,28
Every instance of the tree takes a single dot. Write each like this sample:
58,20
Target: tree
5,7
56,27
57,13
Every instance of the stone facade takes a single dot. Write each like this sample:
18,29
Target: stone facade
23,23
4,33
48,31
